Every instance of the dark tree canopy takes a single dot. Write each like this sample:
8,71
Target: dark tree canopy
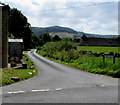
45,37
56,38
35,41
20,28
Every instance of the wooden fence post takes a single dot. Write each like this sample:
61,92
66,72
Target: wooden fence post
103,58
114,59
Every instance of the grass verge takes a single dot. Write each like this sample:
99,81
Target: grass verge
22,74
91,64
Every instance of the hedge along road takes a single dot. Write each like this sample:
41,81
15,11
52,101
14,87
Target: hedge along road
59,83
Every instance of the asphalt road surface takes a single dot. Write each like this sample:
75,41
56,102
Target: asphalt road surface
57,83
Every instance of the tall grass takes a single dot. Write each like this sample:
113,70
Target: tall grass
96,65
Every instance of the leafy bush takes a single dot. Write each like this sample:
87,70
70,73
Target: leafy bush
59,46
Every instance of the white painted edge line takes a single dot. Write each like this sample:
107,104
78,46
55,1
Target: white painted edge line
42,90
58,89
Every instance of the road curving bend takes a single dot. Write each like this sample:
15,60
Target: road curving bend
56,76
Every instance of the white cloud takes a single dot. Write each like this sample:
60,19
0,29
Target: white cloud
82,16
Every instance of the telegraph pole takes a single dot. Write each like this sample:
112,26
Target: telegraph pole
4,21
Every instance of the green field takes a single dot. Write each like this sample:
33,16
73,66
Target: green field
97,49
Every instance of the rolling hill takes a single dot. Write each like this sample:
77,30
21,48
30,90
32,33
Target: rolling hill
66,32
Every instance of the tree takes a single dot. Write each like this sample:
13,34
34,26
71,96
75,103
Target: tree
20,28
77,40
56,38
35,41
27,37
45,37
84,37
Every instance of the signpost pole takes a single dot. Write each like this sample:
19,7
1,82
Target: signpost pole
114,59
103,58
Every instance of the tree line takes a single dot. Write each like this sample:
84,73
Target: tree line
20,28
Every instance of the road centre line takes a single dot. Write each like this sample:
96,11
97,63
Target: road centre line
47,90
42,90
9,92
59,89
15,92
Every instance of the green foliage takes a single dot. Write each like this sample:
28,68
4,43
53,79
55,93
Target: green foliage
35,41
11,36
45,37
20,28
17,22
56,38
27,37
61,50
59,46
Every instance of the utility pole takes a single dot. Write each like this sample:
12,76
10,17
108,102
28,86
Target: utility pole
4,21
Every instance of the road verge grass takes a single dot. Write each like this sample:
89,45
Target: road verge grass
92,64
22,74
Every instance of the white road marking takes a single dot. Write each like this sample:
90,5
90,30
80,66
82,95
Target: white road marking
21,91
9,92
42,90
15,92
59,89
46,90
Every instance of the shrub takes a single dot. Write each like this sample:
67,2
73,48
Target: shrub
59,46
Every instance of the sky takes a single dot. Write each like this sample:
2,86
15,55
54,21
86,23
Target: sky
93,16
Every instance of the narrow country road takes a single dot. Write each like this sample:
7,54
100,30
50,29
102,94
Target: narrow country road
57,83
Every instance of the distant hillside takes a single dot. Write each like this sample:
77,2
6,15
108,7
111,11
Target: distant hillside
66,32
63,34
37,31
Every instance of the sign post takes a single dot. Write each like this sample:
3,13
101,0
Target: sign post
108,56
